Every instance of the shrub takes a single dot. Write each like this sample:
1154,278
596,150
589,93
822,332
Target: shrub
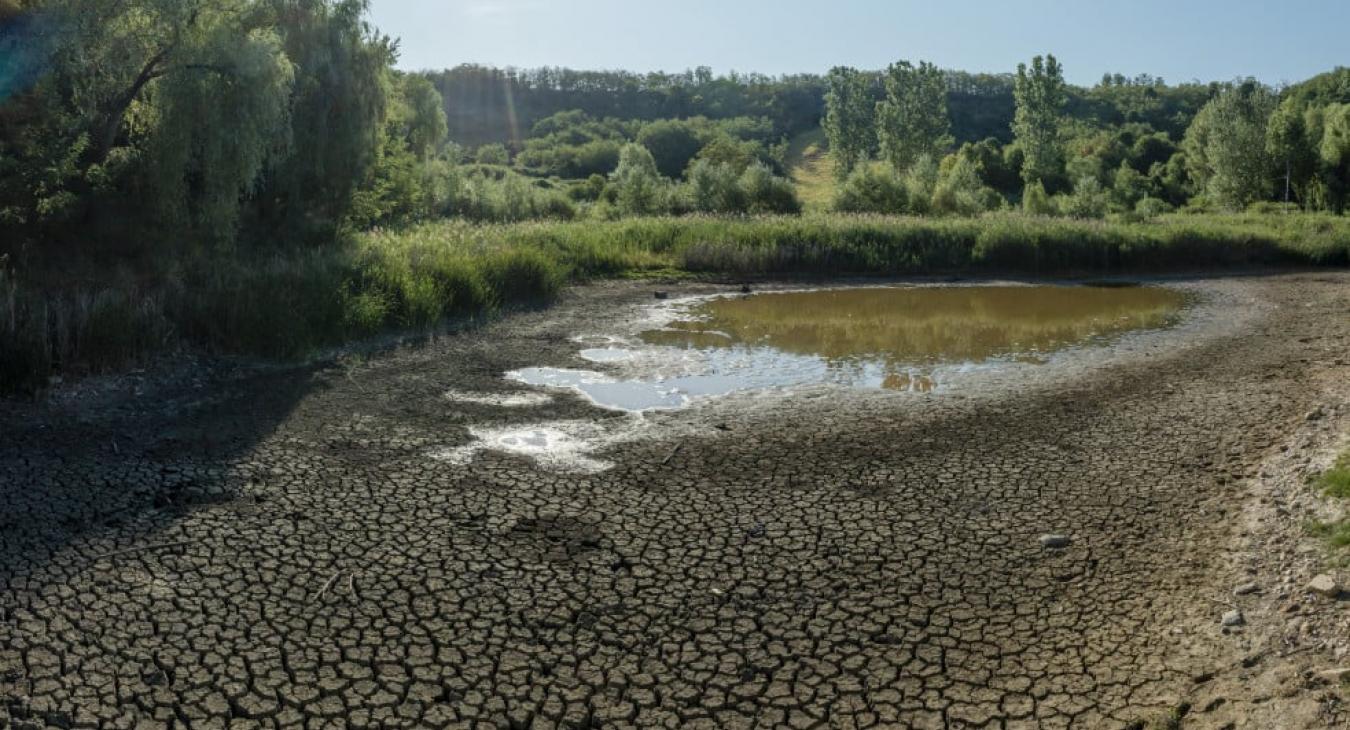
715,188
920,181
1128,188
510,198
1036,202
1152,207
872,189
636,181
739,154
1088,200
672,144
765,192
492,154
959,190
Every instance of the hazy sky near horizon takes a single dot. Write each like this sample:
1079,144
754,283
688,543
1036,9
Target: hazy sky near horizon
1179,40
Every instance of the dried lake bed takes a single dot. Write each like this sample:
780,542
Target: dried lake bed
419,539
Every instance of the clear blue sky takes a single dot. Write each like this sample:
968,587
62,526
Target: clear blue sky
1180,40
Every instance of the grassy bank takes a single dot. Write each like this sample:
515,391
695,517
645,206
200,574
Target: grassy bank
1335,483
288,303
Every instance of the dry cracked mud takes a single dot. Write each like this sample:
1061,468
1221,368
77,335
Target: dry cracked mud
279,548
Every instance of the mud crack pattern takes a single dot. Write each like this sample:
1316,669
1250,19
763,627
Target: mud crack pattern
282,553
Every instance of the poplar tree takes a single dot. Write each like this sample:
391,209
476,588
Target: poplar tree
912,120
849,119
1040,95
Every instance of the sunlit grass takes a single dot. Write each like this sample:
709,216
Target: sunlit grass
1337,534
811,170
1336,480
1335,483
292,301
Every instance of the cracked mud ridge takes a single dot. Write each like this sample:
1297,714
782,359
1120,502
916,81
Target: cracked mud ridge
237,547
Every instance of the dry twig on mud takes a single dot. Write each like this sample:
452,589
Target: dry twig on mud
326,586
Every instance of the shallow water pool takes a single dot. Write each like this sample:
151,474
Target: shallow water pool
894,338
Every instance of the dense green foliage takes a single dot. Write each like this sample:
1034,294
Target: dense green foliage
159,157
1225,147
1128,147
1040,100
850,119
912,120
161,122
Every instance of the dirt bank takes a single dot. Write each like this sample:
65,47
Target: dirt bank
270,546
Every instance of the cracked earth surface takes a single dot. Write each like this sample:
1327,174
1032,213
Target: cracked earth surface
278,548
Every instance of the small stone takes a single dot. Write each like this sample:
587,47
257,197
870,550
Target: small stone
1246,589
1315,414
1324,585
1055,542
1233,618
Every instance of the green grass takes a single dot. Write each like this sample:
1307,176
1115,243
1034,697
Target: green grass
811,170
288,303
1336,480
1336,534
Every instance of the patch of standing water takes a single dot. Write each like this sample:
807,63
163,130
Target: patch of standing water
561,446
908,339
606,354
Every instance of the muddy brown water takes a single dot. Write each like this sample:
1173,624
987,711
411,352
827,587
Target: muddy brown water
895,338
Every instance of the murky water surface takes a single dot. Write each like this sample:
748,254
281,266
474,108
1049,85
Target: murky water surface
903,339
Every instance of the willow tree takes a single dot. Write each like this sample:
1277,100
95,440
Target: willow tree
111,54
210,134
171,106
343,84
849,119
912,120
1040,94
424,121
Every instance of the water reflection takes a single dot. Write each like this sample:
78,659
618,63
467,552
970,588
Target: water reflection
924,325
902,339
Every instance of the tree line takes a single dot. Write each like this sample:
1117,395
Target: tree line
203,123
1130,146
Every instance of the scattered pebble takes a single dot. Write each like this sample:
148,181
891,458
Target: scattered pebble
1055,542
1324,585
1233,618
1246,589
